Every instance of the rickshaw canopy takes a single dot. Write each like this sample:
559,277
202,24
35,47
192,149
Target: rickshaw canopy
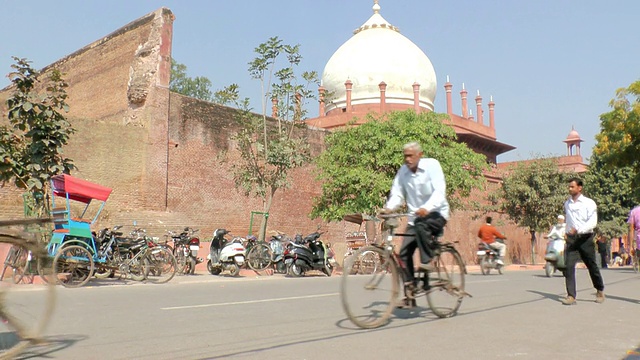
78,189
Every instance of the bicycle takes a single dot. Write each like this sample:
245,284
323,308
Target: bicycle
369,299
23,316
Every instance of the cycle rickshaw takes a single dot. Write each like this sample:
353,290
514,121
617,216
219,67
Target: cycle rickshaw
76,250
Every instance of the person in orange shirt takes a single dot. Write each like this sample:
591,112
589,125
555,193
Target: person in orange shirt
488,234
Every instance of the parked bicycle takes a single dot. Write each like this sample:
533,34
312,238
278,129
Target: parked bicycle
24,314
369,299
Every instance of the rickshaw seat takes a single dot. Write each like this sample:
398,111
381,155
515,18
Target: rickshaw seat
81,220
60,218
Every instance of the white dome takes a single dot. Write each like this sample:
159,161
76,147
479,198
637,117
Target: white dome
377,52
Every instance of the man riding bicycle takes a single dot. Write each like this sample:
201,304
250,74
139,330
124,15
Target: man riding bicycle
420,184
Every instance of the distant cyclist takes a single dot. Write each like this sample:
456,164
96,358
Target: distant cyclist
488,234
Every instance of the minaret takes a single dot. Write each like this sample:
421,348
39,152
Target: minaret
463,95
448,86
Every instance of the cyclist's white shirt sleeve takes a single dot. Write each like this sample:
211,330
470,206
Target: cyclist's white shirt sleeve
426,188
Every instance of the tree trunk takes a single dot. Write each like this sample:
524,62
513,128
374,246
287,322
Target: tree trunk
265,217
533,247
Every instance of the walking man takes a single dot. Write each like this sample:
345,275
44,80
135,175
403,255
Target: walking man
582,218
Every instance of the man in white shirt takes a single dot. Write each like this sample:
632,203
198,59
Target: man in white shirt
420,184
582,218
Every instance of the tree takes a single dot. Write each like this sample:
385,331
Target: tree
270,149
614,194
618,142
532,194
198,87
31,148
359,164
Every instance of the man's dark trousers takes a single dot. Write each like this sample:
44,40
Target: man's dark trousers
424,228
581,246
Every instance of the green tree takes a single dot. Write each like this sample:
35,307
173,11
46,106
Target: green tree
359,165
270,149
613,192
198,87
31,147
532,195
618,142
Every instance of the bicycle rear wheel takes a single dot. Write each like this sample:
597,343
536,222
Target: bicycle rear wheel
446,283
368,299
259,257
23,314
159,265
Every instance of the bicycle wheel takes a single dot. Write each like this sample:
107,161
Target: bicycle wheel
159,265
23,314
259,257
369,299
73,266
181,259
446,283
369,262
21,270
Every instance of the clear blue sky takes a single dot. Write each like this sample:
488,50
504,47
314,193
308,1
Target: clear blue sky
549,64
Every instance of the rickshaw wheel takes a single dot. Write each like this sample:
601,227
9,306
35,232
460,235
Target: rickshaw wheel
73,266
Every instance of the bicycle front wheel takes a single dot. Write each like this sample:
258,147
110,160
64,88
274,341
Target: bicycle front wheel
369,298
446,283
159,265
259,257
24,314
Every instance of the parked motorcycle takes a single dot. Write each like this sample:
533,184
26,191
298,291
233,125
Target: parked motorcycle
225,254
488,258
185,248
308,253
554,256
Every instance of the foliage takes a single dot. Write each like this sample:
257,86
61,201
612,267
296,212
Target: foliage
270,149
31,148
532,194
359,165
613,192
618,142
198,87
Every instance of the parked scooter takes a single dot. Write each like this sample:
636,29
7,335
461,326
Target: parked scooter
554,256
225,254
488,258
277,245
308,253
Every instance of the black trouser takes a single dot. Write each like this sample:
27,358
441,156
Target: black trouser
602,250
424,228
581,246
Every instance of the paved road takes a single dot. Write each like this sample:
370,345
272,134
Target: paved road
516,315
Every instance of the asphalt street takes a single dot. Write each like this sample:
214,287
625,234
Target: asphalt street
515,315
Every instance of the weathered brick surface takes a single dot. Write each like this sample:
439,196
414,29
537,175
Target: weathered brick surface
168,157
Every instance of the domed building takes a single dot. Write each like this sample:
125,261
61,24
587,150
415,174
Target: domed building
380,70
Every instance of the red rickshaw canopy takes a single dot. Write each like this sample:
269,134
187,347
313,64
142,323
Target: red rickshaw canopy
78,189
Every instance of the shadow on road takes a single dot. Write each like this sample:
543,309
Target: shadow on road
51,345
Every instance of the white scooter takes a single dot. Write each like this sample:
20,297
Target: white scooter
554,256
225,254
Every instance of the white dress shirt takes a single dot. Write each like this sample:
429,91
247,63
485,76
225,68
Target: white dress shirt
581,214
425,188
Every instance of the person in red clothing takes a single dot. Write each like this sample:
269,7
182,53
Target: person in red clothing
488,234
